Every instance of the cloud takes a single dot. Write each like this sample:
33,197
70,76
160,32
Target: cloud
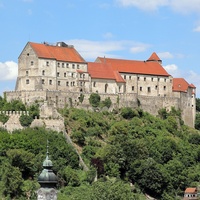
138,48
165,55
197,29
8,70
183,6
173,70
92,49
144,4
108,35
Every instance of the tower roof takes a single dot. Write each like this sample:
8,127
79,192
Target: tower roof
154,57
47,178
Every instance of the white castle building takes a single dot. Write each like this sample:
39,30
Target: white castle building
57,73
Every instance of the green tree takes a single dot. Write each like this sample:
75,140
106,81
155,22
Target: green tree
94,99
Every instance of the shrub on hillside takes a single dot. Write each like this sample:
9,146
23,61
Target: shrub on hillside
95,99
3,118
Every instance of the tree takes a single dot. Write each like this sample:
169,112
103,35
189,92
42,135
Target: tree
95,99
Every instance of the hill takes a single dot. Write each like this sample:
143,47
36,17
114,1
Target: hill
130,152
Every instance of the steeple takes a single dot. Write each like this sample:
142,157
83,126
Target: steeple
154,58
47,180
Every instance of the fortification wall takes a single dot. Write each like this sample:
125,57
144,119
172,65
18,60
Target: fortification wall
151,104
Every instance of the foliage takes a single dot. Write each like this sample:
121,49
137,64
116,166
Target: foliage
25,120
94,99
3,118
156,155
81,98
106,103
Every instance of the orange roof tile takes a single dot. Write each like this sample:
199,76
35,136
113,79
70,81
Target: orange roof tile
103,71
181,85
154,57
68,54
135,67
191,190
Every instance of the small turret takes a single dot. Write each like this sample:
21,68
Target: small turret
154,58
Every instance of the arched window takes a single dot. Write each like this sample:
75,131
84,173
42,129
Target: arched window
106,87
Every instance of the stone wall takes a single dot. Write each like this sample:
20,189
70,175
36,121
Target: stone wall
151,104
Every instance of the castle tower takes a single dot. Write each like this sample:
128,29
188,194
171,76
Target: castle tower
47,180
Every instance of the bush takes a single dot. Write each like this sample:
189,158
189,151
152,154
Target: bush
107,102
95,99
78,137
128,113
25,120
3,118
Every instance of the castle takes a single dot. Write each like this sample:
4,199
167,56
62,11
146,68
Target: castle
57,74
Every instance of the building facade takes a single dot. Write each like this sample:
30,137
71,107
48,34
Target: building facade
57,73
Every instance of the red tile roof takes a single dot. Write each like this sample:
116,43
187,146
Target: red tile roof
191,190
68,54
181,85
103,71
154,57
135,67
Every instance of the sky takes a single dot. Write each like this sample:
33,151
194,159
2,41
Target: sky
127,29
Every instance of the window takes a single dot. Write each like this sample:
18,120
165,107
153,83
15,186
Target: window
58,82
27,81
72,74
144,78
26,73
140,88
43,81
132,88
67,65
138,78
58,74
67,83
47,63
151,79
65,74
73,66
50,82
124,76
129,77
164,87
32,63
156,87
165,79
158,79
77,66
63,65
94,84
58,64
149,89
43,72
81,75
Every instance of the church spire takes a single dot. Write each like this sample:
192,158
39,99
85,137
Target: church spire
47,180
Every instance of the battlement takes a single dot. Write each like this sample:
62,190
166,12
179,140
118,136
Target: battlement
18,113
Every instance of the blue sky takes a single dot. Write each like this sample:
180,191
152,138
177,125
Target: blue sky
129,29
